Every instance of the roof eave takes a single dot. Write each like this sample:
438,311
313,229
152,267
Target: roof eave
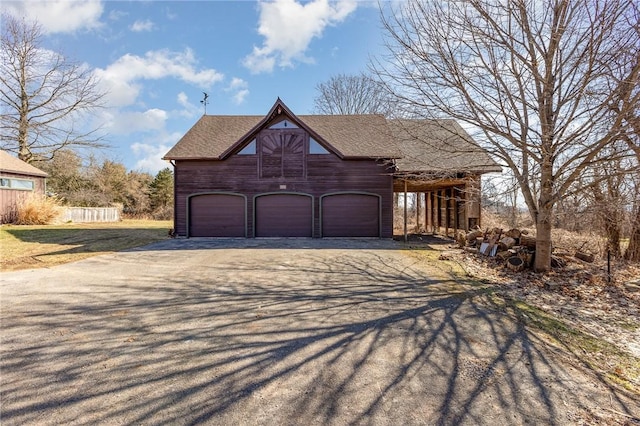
23,173
182,158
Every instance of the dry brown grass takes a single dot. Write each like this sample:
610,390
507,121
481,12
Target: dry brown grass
38,246
37,210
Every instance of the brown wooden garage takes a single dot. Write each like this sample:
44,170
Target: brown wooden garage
284,215
217,215
350,215
320,175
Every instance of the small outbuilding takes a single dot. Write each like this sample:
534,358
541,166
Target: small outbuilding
283,175
18,180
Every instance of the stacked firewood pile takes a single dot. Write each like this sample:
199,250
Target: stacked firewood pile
515,247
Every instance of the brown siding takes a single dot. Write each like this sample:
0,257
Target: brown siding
9,198
325,173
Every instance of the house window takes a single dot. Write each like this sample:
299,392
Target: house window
249,149
316,148
19,184
282,154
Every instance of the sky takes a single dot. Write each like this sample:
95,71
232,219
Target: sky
155,59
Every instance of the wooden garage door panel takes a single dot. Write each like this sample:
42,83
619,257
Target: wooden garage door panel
217,215
284,215
350,215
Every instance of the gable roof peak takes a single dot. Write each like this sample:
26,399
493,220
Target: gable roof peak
278,108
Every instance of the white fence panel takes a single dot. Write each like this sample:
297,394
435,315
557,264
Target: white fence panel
91,214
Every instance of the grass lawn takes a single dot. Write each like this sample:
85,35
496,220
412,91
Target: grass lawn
24,247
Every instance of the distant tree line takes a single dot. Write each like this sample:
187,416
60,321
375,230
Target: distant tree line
94,183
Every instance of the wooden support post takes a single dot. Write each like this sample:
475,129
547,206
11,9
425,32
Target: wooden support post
447,212
405,211
426,212
418,208
465,208
437,212
456,223
479,189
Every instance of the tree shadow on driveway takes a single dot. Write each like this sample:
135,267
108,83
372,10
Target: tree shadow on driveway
287,336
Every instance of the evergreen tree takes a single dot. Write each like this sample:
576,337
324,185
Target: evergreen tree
161,194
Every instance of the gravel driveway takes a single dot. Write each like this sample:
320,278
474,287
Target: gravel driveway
276,332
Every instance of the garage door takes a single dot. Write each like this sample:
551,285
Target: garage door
217,215
284,215
350,215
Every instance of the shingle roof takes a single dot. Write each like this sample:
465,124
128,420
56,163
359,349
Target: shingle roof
438,146
211,136
416,145
11,164
350,135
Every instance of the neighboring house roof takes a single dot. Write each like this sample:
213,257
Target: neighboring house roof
415,145
11,164
438,146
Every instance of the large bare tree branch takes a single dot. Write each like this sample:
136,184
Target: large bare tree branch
45,98
533,78
351,94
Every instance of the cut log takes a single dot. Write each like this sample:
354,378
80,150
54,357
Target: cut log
471,236
589,258
515,264
557,262
526,256
513,233
504,255
527,241
470,250
506,243
490,248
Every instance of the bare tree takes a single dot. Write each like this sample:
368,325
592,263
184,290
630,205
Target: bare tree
532,77
43,96
351,94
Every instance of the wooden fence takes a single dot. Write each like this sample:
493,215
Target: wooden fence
91,214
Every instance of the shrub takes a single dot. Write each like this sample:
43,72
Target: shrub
37,210
163,213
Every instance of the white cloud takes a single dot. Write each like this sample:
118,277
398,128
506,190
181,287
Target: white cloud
140,26
116,15
122,78
58,16
289,27
189,110
239,89
151,161
150,152
183,99
127,122
240,96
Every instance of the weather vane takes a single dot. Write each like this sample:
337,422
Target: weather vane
205,102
